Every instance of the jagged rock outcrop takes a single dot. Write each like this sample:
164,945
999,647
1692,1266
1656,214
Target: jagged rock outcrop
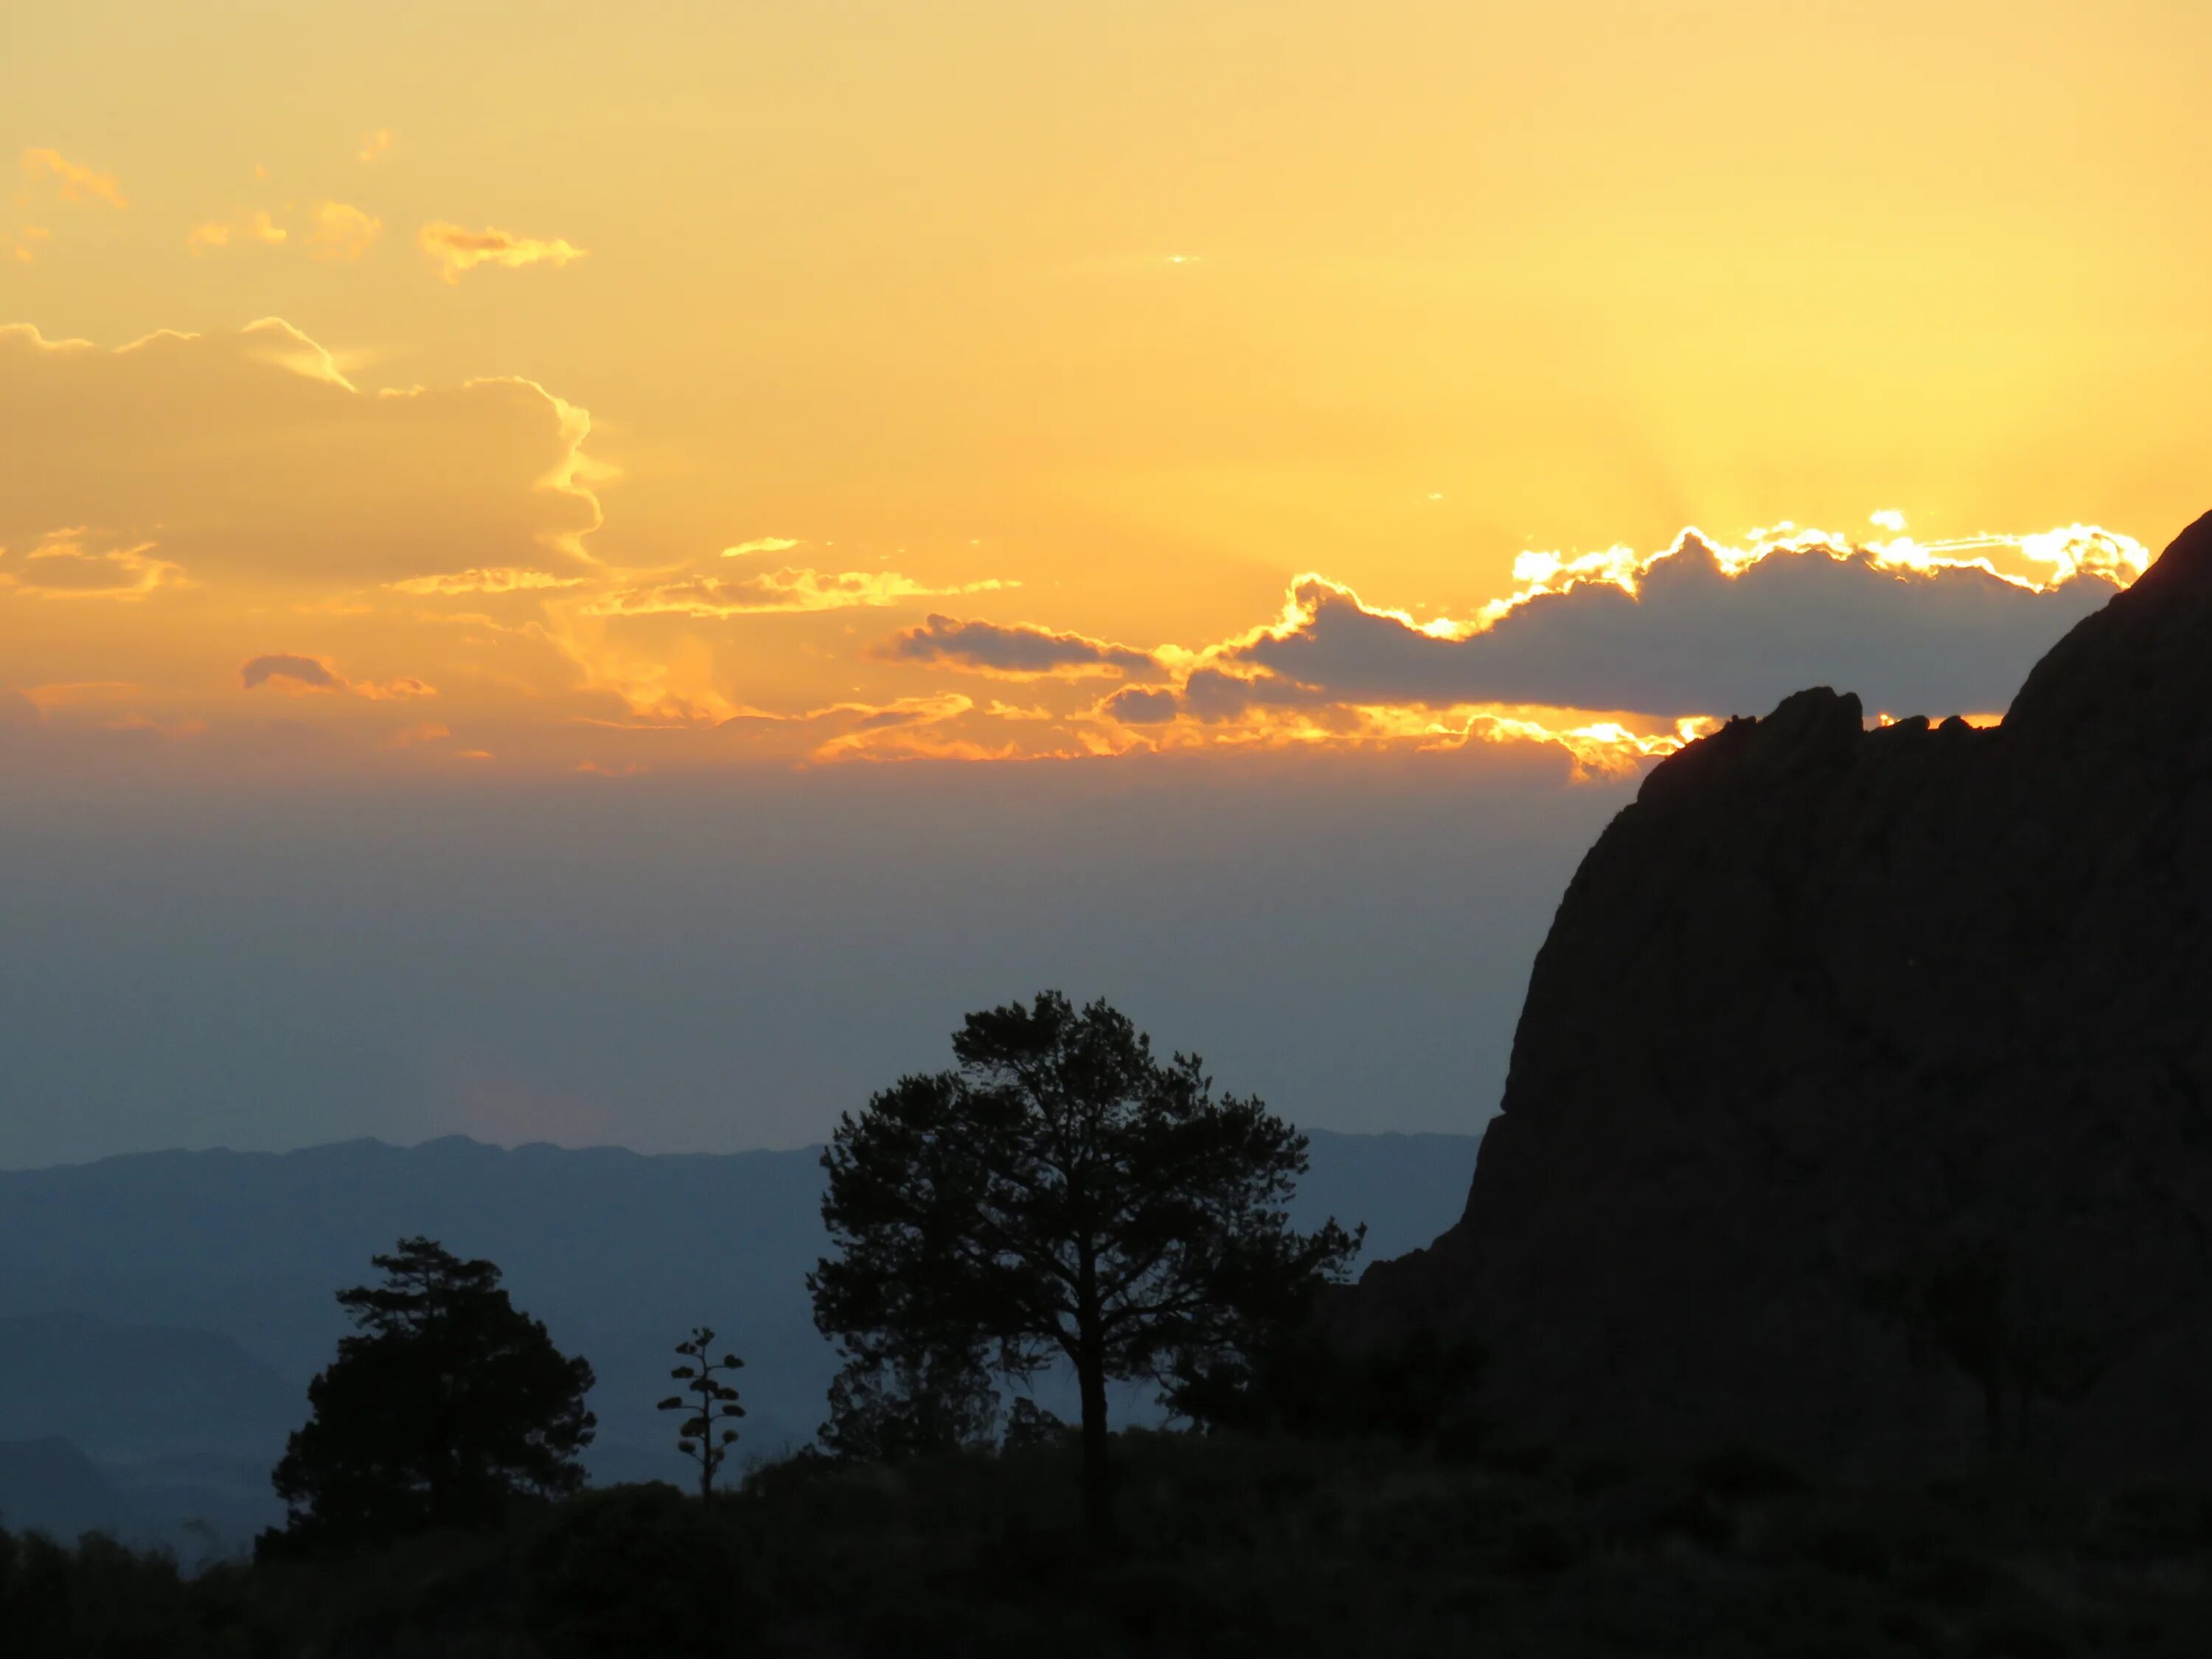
1823,997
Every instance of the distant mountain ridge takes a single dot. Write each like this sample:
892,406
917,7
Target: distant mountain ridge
48,1485
133,1391
236,1257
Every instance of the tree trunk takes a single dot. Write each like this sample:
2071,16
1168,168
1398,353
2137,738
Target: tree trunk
1097,1489
1091,1374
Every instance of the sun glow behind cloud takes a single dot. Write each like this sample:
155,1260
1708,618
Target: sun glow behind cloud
896,454
560,656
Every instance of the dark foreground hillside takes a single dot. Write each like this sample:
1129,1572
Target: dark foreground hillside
1230,1547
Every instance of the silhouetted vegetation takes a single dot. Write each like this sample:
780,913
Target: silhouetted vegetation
447,1404
1418,1389
706,1434
637,1570
1066,1194
1231,1545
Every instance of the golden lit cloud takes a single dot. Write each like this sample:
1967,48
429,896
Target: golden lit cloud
253,227
248,460
1597,746
760,545
505,580
61,566
373,144
50,178
341,232
912,728
776,592
455,250
70,180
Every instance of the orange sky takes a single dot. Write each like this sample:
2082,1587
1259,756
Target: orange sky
549,385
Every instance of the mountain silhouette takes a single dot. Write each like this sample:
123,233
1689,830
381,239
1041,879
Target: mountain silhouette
1828,1004
120,1391
50,1485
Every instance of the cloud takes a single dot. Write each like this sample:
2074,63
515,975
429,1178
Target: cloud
910,728
255,227
505,580
455,250
61,567
171,508
1138,706
70,181
1697,629
373,144
314,674
246,458
51,178
337,233
341,232
793,589
1017,651
1212,694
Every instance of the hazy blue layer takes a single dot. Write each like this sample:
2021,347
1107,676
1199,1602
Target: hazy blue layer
714,964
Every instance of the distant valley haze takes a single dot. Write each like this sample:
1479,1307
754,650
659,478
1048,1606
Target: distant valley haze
160,1314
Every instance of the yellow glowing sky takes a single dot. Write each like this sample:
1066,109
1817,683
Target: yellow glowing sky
494,325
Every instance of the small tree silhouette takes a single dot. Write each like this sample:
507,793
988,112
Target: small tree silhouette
700,1439
1963,1299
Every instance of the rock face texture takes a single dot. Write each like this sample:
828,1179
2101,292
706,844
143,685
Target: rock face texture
1824,999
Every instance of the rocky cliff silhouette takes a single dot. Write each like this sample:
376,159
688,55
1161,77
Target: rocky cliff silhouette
1825,1001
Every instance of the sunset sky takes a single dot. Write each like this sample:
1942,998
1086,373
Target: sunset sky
421,424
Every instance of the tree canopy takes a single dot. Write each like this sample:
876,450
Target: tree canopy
446,1403
1065,1193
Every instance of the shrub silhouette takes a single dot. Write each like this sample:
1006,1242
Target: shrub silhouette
1065,1193
1417,1388
1030,1424
705,1436
635,1570
1963,1299
444,1405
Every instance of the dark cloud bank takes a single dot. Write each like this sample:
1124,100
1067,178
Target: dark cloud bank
304,670
1691,641
1019,650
